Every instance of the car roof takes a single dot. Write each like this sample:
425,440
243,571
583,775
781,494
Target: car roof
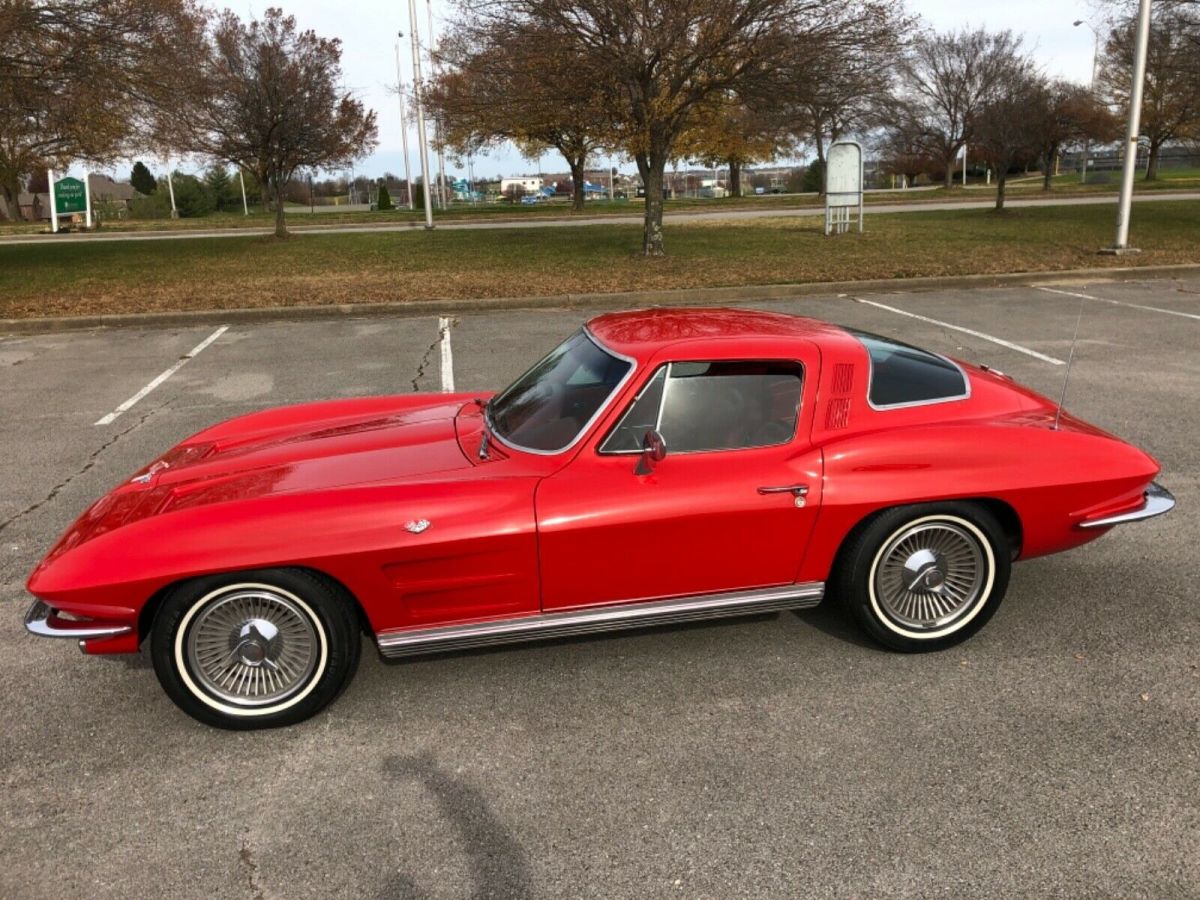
638,333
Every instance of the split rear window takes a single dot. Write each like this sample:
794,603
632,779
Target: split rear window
903,375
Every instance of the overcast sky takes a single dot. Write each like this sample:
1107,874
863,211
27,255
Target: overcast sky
368,29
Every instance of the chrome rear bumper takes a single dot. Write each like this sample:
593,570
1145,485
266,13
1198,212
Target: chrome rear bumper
1158,500
43,621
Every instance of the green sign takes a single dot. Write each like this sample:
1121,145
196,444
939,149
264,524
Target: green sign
69,196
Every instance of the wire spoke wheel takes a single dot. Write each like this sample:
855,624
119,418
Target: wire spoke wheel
930,574
252,647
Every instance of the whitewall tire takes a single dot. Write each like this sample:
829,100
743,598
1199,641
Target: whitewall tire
925,577
255,649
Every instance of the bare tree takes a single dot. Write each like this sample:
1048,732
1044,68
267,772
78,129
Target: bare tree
902,146
659,60
1067,114
947,78
499,84
1171,91
826,89
1006,132
269,97
82,79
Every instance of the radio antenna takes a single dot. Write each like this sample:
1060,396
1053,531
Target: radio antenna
1062,398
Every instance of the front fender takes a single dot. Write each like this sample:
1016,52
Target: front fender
477,557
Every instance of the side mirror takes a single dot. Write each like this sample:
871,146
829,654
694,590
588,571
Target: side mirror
654,450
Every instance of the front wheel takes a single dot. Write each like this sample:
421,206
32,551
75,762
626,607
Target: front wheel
255,649
925,577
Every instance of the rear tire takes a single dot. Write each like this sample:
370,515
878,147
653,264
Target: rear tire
925,577
256,649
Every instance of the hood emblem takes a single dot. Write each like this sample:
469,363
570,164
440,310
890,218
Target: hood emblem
417,525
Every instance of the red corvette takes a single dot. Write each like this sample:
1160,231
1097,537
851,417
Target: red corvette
658,466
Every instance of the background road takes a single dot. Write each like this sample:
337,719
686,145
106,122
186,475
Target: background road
1056,753
567,221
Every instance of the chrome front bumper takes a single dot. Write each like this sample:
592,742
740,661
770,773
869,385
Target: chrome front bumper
1157,500
44,621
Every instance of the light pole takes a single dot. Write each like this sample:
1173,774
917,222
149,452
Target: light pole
1087,141
1142,40
437,120
424,147
403,122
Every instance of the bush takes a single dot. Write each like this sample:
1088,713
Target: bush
814,177
385,199
153,206
193,199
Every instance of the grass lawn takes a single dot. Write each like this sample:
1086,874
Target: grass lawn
299,217
135,276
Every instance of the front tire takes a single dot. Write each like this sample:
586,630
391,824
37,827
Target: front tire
925,577
256,649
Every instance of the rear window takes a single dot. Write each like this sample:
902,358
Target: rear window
902,375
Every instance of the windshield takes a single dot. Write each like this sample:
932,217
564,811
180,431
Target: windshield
549,407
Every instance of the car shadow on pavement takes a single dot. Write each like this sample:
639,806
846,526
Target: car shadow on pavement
829,618
497,861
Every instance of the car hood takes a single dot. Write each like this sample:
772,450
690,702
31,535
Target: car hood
315,447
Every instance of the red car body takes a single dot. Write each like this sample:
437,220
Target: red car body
345,487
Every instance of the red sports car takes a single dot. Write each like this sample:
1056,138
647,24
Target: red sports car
658,466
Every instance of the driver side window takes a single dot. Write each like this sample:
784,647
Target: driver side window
726,405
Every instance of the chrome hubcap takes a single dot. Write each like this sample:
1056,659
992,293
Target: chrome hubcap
929,575
252,647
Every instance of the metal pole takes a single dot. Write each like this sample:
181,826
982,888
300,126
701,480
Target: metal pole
171,189
1131,133
964,165
611,195
242,181
424,147
87,201
53,204
443,195
403,123
1087,141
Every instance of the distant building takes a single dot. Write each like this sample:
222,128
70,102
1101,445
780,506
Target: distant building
524,183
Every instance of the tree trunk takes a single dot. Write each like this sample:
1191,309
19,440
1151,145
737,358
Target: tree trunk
10,193
280,226
650,167
735,178
1048,168
577,181
948,175
1152,162
1001,179
819,138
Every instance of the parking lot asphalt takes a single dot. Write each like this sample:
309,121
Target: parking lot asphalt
1057,753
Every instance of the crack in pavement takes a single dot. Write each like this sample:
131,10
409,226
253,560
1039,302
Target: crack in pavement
427,357
92,459
246,857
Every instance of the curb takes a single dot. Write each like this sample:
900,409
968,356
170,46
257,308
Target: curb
623,300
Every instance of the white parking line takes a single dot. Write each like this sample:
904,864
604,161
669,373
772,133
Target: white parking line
444,325
1159,309
129,404
971,331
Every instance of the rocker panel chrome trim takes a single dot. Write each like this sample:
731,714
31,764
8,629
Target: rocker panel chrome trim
610,617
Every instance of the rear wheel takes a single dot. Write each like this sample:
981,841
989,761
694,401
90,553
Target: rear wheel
255,649
925,577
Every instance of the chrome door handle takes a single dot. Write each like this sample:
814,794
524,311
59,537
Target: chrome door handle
799,490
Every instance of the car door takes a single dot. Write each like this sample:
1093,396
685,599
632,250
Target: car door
731,506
